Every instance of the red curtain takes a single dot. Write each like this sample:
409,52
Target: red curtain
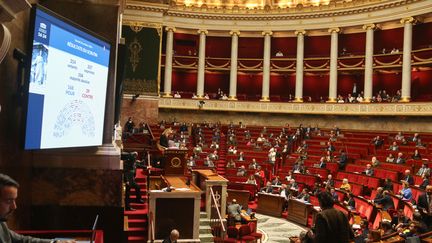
422,35
390,82
185,44
388,39
281,85
185,81
215,81
353,43
421,85
317,46
218,46
346,83
316,86
249,85
250,47
287,45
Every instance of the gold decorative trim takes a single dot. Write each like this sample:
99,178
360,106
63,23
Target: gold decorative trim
370,26
265,99
139,25
234,32
300,32
267,32
334,30
369,109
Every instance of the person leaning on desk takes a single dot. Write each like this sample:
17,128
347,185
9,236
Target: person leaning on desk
8,195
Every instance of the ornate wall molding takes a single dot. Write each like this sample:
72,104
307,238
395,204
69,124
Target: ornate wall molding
354,14
361,109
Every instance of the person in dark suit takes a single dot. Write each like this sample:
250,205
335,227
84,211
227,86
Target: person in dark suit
163,140
173,237
377,141
8,196
424,205
350,202
369,171
331,225
400,159
408,177
386,202
322,163
304,195
268,188
343,159
129,170
329,182
425,182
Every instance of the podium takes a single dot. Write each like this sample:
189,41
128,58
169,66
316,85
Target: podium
175,161
207,179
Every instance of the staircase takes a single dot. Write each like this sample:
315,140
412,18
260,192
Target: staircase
205,234
220,166
137,220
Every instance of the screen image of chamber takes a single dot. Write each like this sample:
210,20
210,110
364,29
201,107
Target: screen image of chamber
67,80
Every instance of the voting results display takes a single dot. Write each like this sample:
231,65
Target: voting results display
67,81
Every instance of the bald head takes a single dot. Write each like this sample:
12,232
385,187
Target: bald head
174,235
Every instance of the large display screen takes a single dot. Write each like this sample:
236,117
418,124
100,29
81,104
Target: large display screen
67,82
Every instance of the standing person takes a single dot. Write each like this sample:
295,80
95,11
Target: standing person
8,195
331,225
129,170
424,205
173,237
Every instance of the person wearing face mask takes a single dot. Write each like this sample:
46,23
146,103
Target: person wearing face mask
8,195
424,205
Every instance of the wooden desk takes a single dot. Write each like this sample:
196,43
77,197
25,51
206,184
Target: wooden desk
242,197
270,204
82,235
298,211
178,209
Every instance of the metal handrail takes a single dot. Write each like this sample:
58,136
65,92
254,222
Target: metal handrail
217,209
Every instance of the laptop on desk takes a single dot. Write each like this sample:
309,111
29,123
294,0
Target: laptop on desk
93,234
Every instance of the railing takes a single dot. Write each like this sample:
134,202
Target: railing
216,223
152,227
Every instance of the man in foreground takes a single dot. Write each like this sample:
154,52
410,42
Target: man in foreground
8,195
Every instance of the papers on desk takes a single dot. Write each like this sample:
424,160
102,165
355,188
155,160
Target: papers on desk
182,189
318,208
356,226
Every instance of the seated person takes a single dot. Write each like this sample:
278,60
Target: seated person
394,147
234,211
208,162
368,171
251,180
241,171
343,159
322,163
261,174
214,145
416,155
214,156
334,195
293,185
425,181
377,141
276,181
289,176
424,169
285,192
385,202
406,193
349,201
329,182
399,136
191,162
304,195
231,164
345,185
390,158
388,185
253,165
408,177
400,159
410,231
241,156
177,95
268,188
374,161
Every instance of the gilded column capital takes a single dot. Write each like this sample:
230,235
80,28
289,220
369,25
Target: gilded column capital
334,30
235,32
370,27
267,32
205,32
170,28
411,20
300,32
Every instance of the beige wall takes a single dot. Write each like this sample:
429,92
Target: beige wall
420,124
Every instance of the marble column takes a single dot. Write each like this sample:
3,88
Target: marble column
299,65
201,63
233,71
265,96
368,74
168,61
333,64
406,60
